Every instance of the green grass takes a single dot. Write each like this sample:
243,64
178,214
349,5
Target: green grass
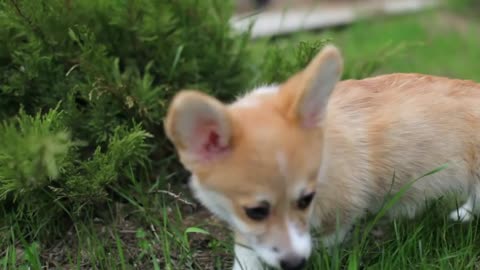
154,229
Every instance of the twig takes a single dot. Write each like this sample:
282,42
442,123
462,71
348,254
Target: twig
176,197
127,231
33,27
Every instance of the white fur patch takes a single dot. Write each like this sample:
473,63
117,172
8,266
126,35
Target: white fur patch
298,244
465,212
267,89
300,241
251,98
470,208
246,102
462,214
268,256
246,259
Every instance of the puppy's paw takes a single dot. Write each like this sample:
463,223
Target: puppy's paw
461,214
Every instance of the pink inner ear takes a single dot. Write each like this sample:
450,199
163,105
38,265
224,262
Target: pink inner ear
212,142
207,141
311,118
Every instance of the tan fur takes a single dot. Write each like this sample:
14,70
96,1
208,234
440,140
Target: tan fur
402,124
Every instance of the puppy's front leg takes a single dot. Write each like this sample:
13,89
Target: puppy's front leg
246,259
335,239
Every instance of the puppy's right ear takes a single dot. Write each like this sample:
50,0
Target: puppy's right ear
199,126
305,98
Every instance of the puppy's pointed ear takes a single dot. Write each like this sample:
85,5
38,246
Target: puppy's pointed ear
308,92
198,125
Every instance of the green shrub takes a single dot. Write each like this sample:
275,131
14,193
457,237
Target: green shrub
76,78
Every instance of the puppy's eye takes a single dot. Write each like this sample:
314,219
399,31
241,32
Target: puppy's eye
305,201
258,213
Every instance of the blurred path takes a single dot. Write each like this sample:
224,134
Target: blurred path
273,17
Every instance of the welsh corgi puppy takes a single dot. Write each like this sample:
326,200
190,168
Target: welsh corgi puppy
318,152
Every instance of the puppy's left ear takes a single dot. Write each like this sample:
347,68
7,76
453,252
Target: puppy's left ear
199,126
310,90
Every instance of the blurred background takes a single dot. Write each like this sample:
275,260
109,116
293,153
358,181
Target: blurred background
286,16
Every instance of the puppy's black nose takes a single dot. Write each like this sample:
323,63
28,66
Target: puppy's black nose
293,263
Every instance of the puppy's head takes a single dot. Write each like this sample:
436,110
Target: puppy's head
255,162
